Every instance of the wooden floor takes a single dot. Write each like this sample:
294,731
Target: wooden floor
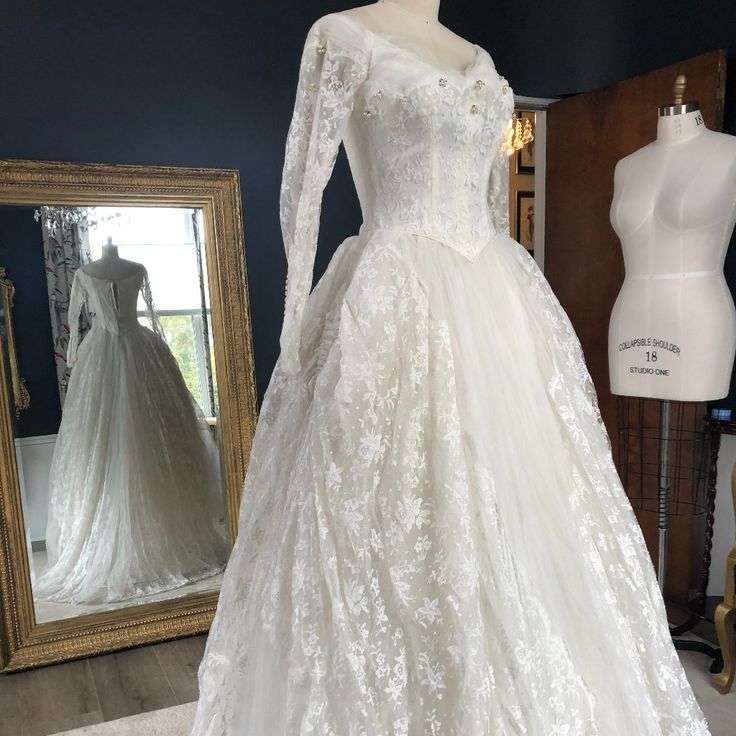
65,696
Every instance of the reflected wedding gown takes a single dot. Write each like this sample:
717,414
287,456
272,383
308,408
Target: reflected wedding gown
135,493
433,536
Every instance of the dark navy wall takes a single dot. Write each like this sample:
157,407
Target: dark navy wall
21,253
189,83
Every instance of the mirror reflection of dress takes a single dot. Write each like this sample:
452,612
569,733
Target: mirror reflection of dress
135,489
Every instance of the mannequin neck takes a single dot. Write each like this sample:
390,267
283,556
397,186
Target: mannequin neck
110,252
680,128
426,11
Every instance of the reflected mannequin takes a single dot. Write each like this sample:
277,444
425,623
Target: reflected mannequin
135,499
111,266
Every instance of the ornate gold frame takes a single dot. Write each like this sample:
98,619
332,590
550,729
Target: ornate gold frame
21,397
23,642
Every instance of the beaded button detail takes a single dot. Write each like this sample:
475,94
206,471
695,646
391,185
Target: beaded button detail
474,109
479,85
443,82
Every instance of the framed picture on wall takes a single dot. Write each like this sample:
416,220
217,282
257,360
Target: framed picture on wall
525,155
525,219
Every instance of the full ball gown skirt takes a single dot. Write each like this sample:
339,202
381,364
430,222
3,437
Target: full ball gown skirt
135,495
433,537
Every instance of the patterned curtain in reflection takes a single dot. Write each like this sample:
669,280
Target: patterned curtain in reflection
204,313
66,248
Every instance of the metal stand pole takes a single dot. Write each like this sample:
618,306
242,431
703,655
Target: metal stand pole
663,496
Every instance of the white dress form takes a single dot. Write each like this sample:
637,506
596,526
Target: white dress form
672,333
417,22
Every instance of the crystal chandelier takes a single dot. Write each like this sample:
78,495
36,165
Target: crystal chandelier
57,218
518,133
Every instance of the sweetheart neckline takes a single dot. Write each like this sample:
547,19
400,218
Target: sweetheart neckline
433,65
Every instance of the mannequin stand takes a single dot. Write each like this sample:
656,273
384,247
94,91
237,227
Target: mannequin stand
663,462
663,501
663,496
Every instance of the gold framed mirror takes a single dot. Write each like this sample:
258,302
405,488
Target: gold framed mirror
21,397
130,461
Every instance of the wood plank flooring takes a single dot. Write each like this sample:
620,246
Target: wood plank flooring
87,691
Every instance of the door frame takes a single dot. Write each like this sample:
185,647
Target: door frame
539,105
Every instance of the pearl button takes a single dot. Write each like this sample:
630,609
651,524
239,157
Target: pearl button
321,50
367,113
479,84
474,109
505,88
443,82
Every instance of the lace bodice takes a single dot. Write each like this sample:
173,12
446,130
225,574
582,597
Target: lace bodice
425,146
113,304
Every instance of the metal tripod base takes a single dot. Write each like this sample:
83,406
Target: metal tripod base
700,646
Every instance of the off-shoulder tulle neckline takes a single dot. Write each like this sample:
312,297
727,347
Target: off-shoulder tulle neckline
139,272
386,38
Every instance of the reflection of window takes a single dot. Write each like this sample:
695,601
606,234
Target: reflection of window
186,338
168,241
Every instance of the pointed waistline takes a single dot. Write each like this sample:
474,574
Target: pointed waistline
469,248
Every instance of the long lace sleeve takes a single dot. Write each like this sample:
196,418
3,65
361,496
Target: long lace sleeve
151,312
498,190
76,302
333,64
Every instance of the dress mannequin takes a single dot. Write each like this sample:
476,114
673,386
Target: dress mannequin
416,22
672,333
110,265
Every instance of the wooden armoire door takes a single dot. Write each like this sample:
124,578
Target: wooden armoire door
586,135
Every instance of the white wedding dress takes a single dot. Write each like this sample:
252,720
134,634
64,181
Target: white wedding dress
135,503
433,537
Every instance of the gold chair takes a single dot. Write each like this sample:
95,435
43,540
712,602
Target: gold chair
726,616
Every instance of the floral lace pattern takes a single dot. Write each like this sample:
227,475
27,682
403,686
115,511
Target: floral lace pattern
436,158
433,538
330,71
